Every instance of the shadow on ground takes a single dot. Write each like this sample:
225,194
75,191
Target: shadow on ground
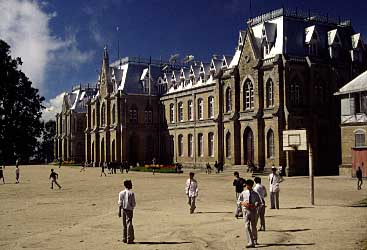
290,230
162,242
285,244
213,212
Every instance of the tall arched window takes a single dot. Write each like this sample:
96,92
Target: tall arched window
113,114
228,100
211,144
360,138
249,95
228,145
103,114
296,92
180,145
172,113
190,145
200,145
200,108
270,143
211,106
189,111
269,93
93,118
180,111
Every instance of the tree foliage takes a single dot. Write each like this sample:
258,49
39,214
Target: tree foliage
20,110
45,149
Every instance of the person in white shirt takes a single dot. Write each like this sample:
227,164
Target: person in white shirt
192,191
274,180
127,204
261,190
250,201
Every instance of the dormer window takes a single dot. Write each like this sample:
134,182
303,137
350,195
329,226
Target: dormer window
334,43
311,41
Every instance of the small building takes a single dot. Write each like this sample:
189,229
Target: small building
353,126
71,123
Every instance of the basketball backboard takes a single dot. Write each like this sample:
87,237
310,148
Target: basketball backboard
294,140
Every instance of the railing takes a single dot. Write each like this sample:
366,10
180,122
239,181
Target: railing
299,14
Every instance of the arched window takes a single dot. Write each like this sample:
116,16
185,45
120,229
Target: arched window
296,92
180,145
228,100
211,144
270,144
211,106
228,145
249,95
133,114
190,145
189,111
200,109
200,145
313,45
360,138
93,118
148,114
113,114
180,111
103,114
269,94
172,113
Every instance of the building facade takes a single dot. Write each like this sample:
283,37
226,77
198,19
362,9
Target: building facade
353,98
282,75
69,141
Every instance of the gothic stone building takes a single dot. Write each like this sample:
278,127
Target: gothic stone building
70,125
282,75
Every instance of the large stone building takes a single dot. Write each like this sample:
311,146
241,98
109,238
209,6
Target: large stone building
353,125
282,75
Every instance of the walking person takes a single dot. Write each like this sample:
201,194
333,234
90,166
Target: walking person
102,169
250,200
60,161
2,174
127,204
192,191
54,176
274,180
16,174
238,183
359,177
208,168
261,190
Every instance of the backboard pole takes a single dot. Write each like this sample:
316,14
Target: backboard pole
310,164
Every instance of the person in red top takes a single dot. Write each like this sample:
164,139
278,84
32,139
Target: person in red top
54,176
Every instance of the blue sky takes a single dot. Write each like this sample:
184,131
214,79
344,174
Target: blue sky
61,41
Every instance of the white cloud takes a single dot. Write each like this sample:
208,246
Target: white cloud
53,106
25,27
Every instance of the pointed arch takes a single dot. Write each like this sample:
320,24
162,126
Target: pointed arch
269,93
248,145
228,145
228,100
248,97
270,150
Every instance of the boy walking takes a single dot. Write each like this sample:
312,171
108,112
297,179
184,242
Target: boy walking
2,174
192,191
17,174
127,204
54,176
250,200
261,190
274,180
359,177
238,183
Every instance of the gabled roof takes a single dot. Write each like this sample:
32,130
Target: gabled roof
356,38
226,61
269,31
333,37
195,70
358,84
216,64
309,31
205,68
241,37
144,74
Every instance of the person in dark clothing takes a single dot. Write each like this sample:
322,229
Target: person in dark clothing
359,177
238,183
54,176
217,166
102,169
2,174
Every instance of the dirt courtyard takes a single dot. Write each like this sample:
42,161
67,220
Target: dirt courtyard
83,214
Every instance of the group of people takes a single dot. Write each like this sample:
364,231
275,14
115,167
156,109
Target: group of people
17,172
251,202
217,165
113,166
